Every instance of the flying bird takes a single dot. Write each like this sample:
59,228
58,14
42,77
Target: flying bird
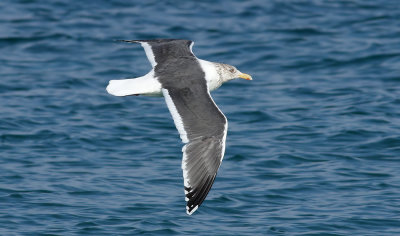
185,82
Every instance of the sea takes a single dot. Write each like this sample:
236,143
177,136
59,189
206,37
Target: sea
313,145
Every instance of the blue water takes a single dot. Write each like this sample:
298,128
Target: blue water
313,145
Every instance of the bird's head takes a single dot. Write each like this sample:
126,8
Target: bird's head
228,72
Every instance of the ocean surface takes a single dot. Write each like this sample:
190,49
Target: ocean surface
313,146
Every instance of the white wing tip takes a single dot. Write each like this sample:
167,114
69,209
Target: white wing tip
191,212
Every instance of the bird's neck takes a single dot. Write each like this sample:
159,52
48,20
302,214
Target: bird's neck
212,74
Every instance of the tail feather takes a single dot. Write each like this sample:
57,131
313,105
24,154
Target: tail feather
122,87
145,85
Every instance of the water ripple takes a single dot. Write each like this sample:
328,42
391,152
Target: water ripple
313,140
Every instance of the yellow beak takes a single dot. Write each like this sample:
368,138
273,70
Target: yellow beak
245,76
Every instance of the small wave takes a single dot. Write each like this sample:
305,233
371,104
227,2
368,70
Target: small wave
17,40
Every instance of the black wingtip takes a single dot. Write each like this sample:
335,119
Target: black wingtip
191,210
197,196
125,41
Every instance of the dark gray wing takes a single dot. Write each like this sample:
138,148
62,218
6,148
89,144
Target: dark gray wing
203,127
201,124
159,51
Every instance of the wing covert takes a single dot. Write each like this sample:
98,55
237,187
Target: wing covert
161,50
203,128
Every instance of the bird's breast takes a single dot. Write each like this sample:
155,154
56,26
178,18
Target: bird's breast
211,74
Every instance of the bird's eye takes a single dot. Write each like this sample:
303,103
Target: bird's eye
231,70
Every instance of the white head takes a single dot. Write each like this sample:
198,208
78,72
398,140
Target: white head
227,72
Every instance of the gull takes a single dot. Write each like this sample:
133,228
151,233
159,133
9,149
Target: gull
185,82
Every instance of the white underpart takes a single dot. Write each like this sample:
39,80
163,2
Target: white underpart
146,85
212,77
149,53
175,115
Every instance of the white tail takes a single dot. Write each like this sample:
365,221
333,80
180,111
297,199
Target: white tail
146,85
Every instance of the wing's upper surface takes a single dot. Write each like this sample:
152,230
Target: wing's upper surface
161,50
200,123
203,127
